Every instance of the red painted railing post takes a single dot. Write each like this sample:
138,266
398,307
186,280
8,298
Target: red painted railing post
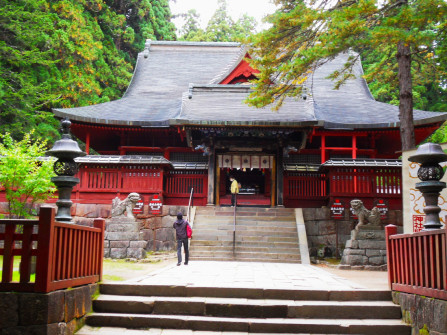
101,224
390,230
45,245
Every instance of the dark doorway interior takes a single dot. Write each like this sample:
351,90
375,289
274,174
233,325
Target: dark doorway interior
252,181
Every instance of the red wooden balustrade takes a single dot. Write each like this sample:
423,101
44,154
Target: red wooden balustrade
417,263
368,182
305,185
66,255
114,179
179,184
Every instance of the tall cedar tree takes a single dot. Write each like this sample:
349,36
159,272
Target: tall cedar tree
306,34
220,28
69,53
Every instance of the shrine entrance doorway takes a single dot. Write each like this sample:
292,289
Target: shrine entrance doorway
253,173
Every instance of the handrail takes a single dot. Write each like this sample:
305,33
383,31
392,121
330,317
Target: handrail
234,225
190,204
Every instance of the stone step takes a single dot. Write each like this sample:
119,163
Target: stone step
260,256
243,238
87,330
274,210
252,230
200,221
277,325
206,243
241,217
240,248
247,260
161,290
247,308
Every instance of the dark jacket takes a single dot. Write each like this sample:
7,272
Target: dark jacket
180,229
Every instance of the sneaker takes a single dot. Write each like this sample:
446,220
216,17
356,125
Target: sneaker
178,264
186,263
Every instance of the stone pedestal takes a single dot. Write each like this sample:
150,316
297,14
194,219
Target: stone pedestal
123,239
365,250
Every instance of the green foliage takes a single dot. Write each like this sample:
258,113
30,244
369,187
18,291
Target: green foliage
69,53
220,28
25,179
304,35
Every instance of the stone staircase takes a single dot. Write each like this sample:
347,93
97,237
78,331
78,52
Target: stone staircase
218,310
262,235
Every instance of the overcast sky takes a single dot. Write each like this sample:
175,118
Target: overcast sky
236,8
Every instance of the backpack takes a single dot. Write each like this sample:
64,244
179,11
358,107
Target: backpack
188,231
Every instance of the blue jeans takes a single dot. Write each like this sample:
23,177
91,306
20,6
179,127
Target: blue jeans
183,241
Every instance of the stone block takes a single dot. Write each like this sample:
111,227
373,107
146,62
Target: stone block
323,213
375,260
352,260
148,235
119,244
353,244
311,228
309,214
371,235
373,252
370,244
349,251
9,305
167,222
326,227
107,252
41,308
358,267
128,236
165,234
70,308
439,316
118,253
123,227
83,221
83,302
138,253
106,244
138,244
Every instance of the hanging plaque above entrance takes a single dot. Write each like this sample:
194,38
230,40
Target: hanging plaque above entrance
245,161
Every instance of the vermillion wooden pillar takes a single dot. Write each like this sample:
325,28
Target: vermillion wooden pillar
323,149
280,178
87,143
273,183
217,182
211,176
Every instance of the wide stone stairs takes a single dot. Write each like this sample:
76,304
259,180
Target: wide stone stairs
221,310
262,235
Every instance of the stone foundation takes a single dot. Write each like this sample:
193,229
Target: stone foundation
123,239
55,313
365,250
427,316
322,231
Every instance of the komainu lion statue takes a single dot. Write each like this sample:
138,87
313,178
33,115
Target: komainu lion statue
127,205
366,217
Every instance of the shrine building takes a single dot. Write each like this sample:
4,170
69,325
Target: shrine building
183,123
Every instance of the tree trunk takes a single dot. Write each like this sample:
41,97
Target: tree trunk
405,96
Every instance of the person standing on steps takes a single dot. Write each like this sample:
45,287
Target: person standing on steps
234,190
182,238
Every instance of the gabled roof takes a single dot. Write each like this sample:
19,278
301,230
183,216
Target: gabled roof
177,83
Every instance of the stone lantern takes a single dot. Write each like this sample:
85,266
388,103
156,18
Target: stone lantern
429,155
65,150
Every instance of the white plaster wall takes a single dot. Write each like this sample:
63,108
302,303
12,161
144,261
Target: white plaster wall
413,202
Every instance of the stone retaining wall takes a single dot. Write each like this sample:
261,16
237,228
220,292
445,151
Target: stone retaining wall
322,230
55,313
427,316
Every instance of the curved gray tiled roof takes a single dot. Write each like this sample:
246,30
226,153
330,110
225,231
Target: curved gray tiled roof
176,83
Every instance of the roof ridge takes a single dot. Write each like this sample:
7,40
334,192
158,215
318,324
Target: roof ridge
191,43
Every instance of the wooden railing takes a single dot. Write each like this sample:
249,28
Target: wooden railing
383,182
417,263
180,183
305,185
124,179
66,255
